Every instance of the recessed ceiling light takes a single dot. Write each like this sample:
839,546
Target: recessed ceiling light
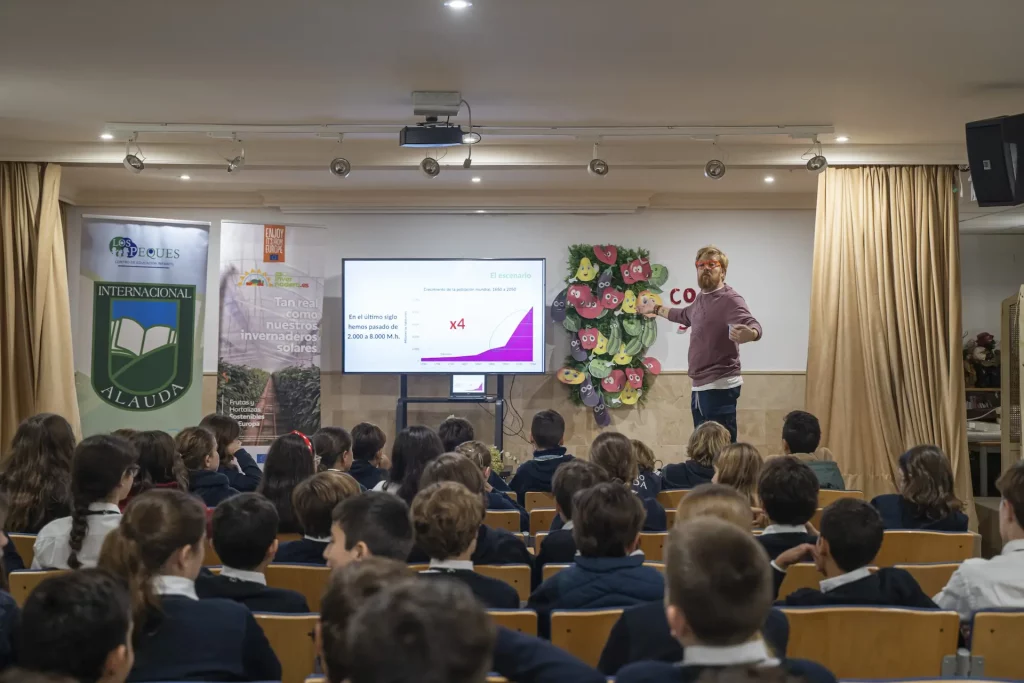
769,179
185,176
476,180
106,136
458,4
842,138
480,211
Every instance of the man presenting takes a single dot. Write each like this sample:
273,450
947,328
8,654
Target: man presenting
719,322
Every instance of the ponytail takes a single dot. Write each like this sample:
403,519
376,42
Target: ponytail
97,469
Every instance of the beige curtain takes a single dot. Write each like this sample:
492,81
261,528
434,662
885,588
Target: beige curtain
36,363
884,368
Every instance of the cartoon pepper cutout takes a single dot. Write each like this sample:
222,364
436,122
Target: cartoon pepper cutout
578,293
614,382
635,377
653,365
611,298
588,337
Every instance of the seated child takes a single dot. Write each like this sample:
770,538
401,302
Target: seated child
739,465
455,431
926,499
368,442
493,546
198,448
245,538
103,470
446,518
374,524
480,455
607,519
706,441
851,536
547,431
78,625
235,462
643,632
717,600
801,435
613,452
313,500
160,464
648,482
158,551
333,445
788,491
559,547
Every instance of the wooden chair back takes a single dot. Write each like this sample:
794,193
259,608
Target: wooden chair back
515,575
800,575
670,517
866,642
931,577
285,538
502,519
816,519
210,557
550,570
828,496
308,579
291,638
996,636
24,582
25,544
538,539
521,620
583,633
653,546
670,499
540,519
539,499
920,547
512,494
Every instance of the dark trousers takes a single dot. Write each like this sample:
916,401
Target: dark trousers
715,405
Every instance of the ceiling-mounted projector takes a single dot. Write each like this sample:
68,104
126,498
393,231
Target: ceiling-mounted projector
430,136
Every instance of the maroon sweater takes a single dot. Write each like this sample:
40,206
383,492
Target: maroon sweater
713,355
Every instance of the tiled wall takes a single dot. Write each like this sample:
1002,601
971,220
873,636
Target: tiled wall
665,424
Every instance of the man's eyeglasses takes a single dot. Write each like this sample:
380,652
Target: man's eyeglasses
709,265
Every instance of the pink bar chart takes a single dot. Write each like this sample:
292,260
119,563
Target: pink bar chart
518,348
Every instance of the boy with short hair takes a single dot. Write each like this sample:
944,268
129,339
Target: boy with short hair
559,547
79,625
801,435
719,593
788,491
851,536
456,431
547,433
333,445
368,442
314,499
607,519
245,538
480,455
446,518
374,524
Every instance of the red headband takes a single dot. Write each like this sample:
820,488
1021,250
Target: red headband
306,439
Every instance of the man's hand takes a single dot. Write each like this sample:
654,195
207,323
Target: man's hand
801,553
646,306
741,334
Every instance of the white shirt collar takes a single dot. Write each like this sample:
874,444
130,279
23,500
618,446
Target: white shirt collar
750,652
104,507
1013,547
175,585
452,564
243,575
567,526
843,579
318,540
784,529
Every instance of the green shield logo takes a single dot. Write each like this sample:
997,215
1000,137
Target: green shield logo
142,343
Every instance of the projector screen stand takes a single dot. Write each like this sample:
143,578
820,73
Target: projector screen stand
497,399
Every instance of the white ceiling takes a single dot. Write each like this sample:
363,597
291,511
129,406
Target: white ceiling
900,78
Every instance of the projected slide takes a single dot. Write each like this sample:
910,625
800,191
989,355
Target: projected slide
443,316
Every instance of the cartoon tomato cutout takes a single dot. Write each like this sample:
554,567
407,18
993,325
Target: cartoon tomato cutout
635,377
629,302
614,382
611,298
627,273
606,253
578,293
653,365
588,337
570,376
591,310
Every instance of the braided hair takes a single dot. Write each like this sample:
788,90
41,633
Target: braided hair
97,469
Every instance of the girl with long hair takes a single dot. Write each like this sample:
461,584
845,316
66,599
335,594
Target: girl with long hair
739,465
290,461
103,470
198,449
235,462
613,452
37,473
414,447
926,499
160,464
158,551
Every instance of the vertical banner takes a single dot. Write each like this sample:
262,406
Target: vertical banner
139,335
271,304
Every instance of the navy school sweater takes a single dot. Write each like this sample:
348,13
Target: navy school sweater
686,475
498,484
499,501
493,546
558,547
250,475
536,474
776,544
366,474
255,596
10,617
664,672
212,487
888,587
203,640
302,551
899,513
492,593
647,484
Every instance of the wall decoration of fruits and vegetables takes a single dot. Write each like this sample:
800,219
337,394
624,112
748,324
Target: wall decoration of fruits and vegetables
608,365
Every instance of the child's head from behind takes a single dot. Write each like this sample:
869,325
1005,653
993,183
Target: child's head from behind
315,498
79,625
607,520
457,468
38,469
374,524
455,430
1011,507
478,453
198,448
851,535
927,482
347,590
801,432
414,448
739,466
547,430
572,477
290,458
718,583
645,459
613,452
227,431
706,441
103,469
442,632
159,462
446,518
788,490
333,445
245,531
715,500
368,441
